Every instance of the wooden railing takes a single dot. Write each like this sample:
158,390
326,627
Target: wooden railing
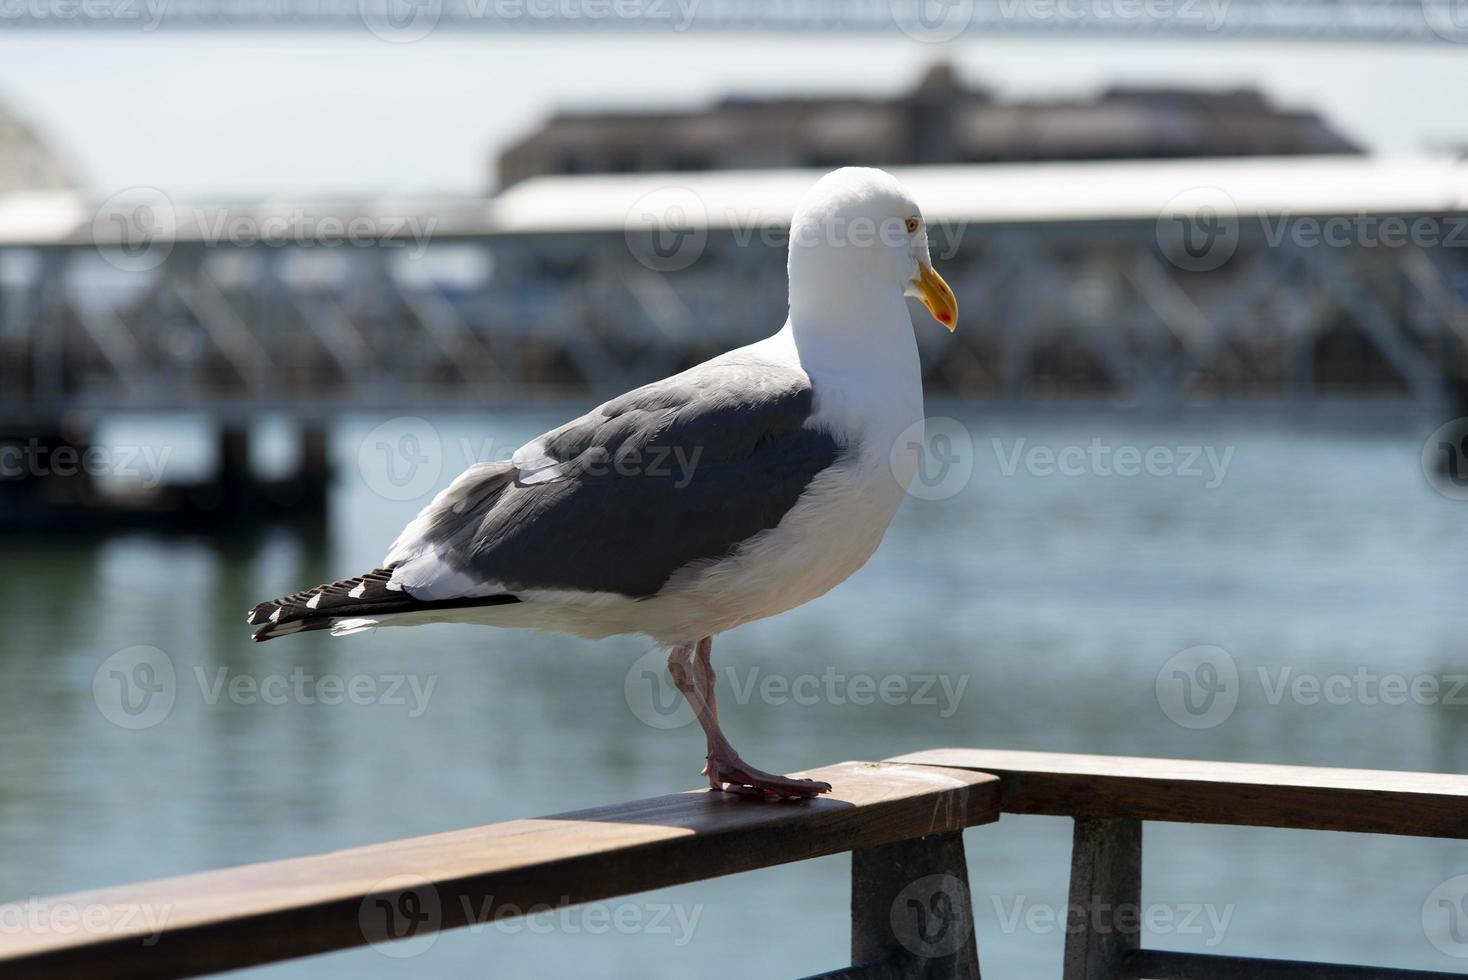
911,911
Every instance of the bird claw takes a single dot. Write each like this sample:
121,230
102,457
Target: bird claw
735,776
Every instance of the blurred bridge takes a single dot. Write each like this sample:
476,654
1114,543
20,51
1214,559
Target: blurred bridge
1155,284
1152,283
937,21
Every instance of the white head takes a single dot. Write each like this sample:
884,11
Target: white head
856,236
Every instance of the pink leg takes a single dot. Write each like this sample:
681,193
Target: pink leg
726,771
704,675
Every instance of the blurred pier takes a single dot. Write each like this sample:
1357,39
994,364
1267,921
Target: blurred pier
1150,283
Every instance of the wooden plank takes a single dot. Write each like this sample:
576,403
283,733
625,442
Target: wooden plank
1156,964
1368,801
262,913
1105,882
911,909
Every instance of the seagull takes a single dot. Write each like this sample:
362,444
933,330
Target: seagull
738,489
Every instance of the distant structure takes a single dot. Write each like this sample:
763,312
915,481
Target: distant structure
27,164
941,121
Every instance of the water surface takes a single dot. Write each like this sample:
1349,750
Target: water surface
1043,606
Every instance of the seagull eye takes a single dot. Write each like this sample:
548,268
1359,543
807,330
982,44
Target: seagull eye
913,224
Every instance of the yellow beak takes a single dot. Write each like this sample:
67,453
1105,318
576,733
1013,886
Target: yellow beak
934,293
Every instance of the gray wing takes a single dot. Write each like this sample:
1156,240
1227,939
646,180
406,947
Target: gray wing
618,500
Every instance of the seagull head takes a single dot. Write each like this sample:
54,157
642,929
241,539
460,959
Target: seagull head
858,226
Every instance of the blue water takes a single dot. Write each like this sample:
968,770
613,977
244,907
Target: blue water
1047,603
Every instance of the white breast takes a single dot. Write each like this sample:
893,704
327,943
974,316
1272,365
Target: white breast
834,527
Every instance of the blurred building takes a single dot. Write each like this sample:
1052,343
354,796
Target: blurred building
26,163
941,121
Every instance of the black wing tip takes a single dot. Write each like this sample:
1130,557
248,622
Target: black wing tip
368,596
